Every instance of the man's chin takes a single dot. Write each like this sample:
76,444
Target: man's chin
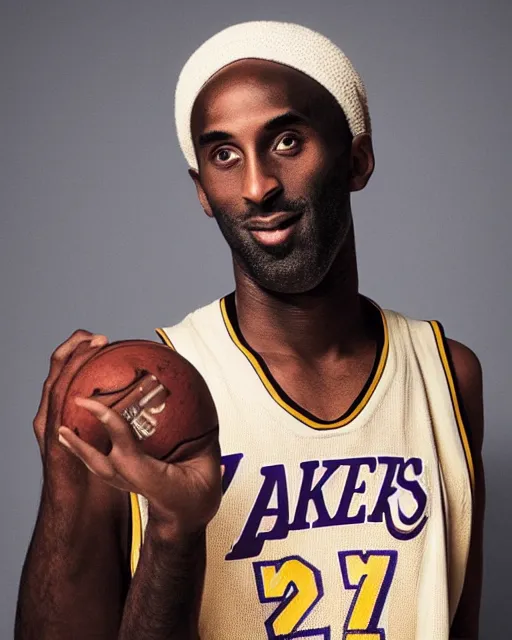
287,281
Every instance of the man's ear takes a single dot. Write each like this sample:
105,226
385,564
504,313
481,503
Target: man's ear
200,193
362,161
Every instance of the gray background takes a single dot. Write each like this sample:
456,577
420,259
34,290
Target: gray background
100,227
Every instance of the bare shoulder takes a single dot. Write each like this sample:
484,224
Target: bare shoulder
466,363
468,372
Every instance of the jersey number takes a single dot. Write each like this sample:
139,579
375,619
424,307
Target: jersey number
297,586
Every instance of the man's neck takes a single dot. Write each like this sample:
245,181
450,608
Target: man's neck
324,323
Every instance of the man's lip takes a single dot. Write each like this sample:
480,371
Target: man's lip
270,223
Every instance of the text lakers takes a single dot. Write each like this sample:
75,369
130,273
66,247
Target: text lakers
389,490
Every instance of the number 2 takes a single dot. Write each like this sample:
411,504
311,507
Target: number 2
297,586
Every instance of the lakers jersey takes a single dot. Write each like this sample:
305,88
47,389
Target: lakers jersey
352,529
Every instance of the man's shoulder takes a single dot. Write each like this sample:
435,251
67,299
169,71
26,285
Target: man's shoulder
468,372
465,362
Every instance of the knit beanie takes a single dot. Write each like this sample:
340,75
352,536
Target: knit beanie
283,42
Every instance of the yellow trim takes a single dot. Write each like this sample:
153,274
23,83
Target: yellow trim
291,410
165,338
456,407
136,533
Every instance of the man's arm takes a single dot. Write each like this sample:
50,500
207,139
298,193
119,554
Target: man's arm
72,584
183,495
74,581
165,594
468,373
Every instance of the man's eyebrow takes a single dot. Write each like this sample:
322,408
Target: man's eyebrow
282,120
286,119
213,136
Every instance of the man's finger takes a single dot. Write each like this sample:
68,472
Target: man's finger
62,354
119,430
93,459
76,359
59,358
57,361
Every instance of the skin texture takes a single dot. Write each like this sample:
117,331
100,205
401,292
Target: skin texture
317,185
64,563
298,305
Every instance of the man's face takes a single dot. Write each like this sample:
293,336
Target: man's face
273,149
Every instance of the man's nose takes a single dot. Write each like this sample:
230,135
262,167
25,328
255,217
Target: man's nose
260,183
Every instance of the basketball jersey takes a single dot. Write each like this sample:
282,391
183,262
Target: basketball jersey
352,529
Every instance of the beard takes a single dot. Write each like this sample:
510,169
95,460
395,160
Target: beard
301,262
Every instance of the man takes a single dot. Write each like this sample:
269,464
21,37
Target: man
351,437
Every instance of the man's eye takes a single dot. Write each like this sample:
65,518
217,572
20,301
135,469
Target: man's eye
287,143
223,156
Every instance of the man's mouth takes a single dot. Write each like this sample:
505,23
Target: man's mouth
274,221
274,229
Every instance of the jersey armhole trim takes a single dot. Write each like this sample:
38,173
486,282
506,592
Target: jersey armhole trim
165,338
457,404
136,518
136,533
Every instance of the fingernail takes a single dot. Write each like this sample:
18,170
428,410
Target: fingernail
63,441
99,341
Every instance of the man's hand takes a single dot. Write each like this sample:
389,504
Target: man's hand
183,493
74,554
65,361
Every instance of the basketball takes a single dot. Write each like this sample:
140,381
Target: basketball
159,393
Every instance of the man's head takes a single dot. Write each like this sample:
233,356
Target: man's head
275,158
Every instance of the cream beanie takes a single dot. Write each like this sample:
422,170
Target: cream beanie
289,44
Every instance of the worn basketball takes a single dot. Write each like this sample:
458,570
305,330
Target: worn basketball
164,399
